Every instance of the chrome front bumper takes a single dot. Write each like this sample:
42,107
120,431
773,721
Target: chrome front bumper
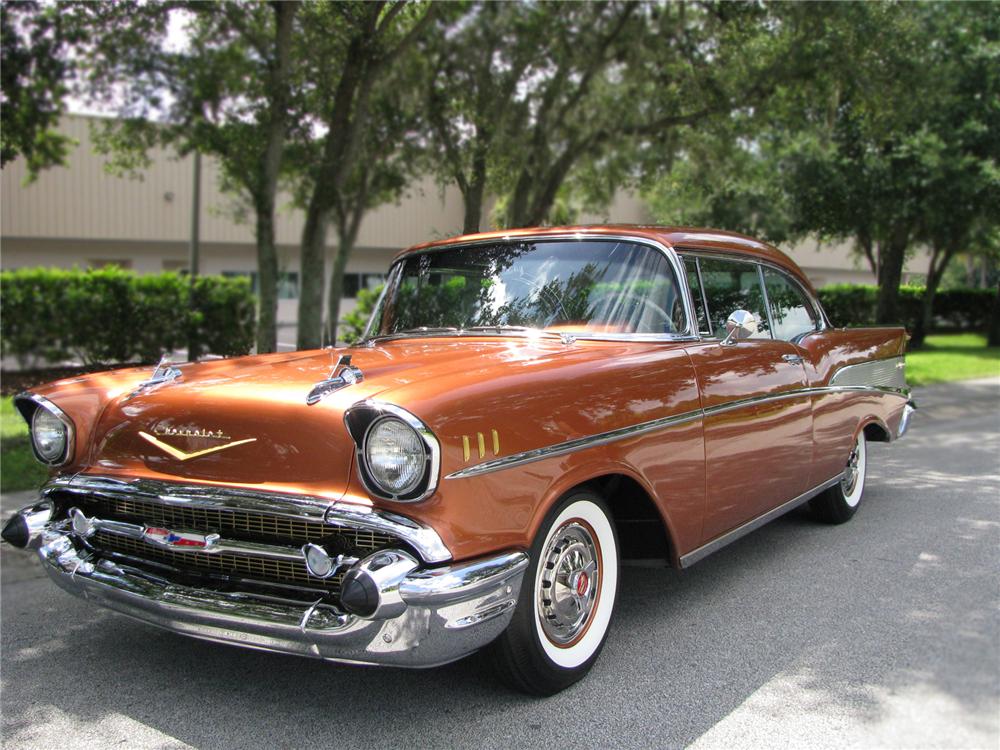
445,612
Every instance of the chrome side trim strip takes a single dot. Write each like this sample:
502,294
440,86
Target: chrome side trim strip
740,531
571,446
422,538
602,438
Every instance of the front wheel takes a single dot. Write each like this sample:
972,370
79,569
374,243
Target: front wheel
567,598
840,502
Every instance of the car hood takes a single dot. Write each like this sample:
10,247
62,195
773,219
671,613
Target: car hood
246,421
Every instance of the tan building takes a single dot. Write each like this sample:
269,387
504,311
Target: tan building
80,215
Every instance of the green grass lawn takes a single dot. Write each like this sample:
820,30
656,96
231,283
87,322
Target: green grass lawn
957,356
18,468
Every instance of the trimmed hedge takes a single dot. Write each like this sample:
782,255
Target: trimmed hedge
954,309
109,315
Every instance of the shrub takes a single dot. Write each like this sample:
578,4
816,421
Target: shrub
353,326
850,305
110,315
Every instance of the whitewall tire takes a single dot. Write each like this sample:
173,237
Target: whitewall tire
567,598
839,503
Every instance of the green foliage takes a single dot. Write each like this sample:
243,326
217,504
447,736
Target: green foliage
19,470
355,322
34,44
849,305
110,315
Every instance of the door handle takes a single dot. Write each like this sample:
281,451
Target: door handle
794,359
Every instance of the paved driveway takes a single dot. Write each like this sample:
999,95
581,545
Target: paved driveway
883,632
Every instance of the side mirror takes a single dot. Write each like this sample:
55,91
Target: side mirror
740,325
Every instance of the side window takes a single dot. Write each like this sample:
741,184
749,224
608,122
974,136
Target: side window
791,310
694,282
732,285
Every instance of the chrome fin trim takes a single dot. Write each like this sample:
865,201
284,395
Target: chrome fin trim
880,373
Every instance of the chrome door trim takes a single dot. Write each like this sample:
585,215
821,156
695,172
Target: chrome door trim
753,524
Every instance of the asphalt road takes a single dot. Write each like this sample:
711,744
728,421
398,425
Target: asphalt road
884,632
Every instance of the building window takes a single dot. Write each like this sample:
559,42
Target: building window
124,263
354,282
176,266
288,282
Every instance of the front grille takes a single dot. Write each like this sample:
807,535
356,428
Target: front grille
233,524
239,524
282,571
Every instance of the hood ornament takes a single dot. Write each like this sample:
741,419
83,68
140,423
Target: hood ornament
342,375
163,373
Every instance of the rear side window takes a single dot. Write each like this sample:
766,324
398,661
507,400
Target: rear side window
791,311
732,285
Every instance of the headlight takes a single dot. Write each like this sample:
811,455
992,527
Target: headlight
49,435
395,456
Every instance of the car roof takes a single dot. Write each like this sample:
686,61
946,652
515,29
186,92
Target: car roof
680,238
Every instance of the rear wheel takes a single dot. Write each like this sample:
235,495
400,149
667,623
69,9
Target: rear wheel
840,502
567,597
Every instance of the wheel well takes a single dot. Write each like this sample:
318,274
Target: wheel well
876,433
642,534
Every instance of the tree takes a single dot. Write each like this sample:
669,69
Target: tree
227,94
35,44
963,192
852,151
351,46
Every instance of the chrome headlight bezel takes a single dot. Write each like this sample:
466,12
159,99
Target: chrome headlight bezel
29,405
360,420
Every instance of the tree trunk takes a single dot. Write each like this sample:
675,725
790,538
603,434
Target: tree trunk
473,199
344,249
993,334
267,281
891,255
940,257
266,186
312,273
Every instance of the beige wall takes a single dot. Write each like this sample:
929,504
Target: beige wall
82,201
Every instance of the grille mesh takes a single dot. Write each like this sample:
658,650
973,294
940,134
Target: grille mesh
284,571
241,524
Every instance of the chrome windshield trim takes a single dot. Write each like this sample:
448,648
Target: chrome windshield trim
688,334
423,539
602,438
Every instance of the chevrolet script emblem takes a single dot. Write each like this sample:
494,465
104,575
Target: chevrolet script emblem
181,455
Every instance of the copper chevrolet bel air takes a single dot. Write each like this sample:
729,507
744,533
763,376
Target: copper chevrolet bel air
527,412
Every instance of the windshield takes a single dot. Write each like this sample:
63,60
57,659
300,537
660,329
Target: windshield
591,287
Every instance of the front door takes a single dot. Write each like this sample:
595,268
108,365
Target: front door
758,412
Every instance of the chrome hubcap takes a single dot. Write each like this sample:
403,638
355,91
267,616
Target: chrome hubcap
569,583
851,472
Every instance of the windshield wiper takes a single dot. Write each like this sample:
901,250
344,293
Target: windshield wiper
422,330
566,338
